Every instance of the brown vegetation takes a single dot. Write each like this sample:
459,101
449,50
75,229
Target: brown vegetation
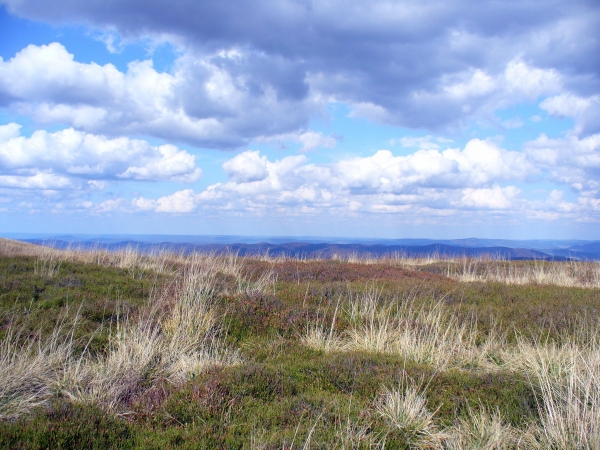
280,353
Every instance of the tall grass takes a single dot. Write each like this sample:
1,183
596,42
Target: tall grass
570,274
566,377
404,409
424,333
482,430
174,339
28,371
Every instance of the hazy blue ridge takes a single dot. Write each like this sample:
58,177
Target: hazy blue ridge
327,247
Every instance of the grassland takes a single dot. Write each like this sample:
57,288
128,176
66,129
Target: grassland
124,350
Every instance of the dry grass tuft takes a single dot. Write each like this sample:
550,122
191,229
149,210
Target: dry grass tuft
406,415
173,345
426,334
482,430
567,377
570,274
28,371
174,340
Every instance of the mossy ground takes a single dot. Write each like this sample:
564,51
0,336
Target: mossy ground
284,392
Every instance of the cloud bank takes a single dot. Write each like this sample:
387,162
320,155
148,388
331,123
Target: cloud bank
478,178
61,159
248,73
248,70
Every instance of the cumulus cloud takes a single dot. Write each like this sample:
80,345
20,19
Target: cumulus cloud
479,163
247,167
43,181
383,182
69,153
572,161
180,202
312,140
429,183
586,110
252,69
490,198
474,92
203,101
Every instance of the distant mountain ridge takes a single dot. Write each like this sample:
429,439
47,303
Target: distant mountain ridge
306,247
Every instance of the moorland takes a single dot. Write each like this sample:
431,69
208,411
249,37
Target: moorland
122,349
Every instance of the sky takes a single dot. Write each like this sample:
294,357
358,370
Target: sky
354,118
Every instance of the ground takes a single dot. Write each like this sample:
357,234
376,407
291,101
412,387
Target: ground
125,350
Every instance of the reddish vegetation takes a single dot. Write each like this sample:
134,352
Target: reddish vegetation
327,271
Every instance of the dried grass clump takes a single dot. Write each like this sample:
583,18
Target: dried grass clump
175,345
321,337
482,430
566,376
425,334
173,341
569,274
28,371
406,415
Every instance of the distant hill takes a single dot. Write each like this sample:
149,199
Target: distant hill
322,250
327,247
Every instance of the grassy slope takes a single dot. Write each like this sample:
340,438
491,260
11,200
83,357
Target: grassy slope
284,394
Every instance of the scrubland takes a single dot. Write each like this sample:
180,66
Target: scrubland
126,350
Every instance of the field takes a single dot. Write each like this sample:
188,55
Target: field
125,350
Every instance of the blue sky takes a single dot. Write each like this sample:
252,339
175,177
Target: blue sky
439,119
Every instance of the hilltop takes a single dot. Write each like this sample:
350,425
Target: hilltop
127,349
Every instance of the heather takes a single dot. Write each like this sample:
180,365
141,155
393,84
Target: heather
123,349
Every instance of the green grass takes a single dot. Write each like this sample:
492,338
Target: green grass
279,393
89,295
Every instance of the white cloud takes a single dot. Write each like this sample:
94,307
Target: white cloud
143,204
472,93
180,202
428,142
78,154
111,40
529,82
585,110
202,101
477,84
43,181
311,140
107,206
572,161
568,105
490,198
480,163
247,167
425,184
382,182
